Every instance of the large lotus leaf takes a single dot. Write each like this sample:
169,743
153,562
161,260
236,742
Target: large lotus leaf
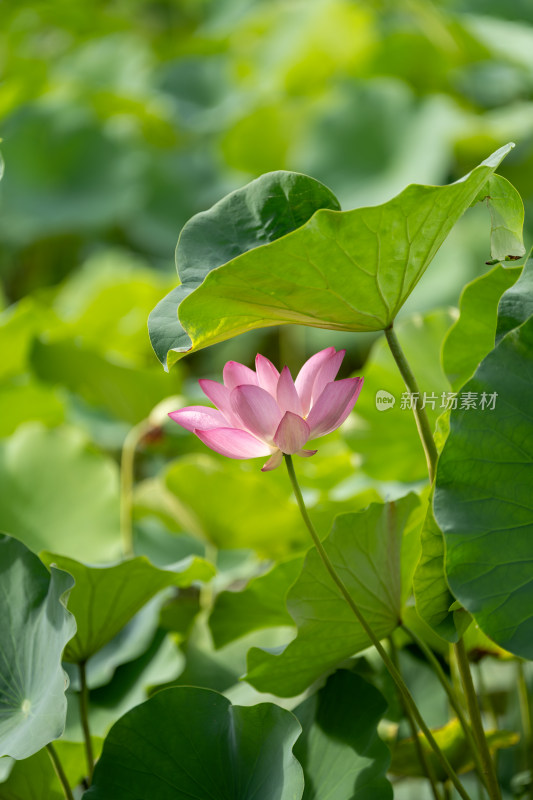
34,628
35,777
59,494
104,599
348,271
340,751
375,552
472,335
260,605
188,742
516,305
483,501
385,434
266,209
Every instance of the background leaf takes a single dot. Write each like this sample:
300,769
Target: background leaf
59,493
186,740
34,628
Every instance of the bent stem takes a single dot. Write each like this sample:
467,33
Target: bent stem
60,772
84,717
421,418
477,724
133,437
395,675
427,767
452,697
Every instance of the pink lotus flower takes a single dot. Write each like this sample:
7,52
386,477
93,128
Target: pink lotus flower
265,413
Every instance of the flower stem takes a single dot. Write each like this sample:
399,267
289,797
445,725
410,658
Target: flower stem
421,418
425,763
477,724
60,772
527,719
397,678
84,717
133,437
452,697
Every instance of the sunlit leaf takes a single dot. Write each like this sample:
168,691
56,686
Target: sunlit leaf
506,218
34,628
187,742
270,207
348,271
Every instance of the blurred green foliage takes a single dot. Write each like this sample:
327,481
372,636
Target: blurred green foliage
119,120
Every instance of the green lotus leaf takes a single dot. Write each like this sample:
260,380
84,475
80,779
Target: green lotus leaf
104,599
34,628
516,305
188,742
471,337
346,271
506,218
483,501
260,605
340,751
266,209
375,552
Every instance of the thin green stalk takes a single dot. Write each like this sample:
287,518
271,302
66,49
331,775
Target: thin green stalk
397,678
427,767
527,720
127,476
421,418
60,772
475,718
452,697
84,717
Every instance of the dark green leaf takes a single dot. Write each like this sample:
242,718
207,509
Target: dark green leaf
483,500
516,305
340,751
187,742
